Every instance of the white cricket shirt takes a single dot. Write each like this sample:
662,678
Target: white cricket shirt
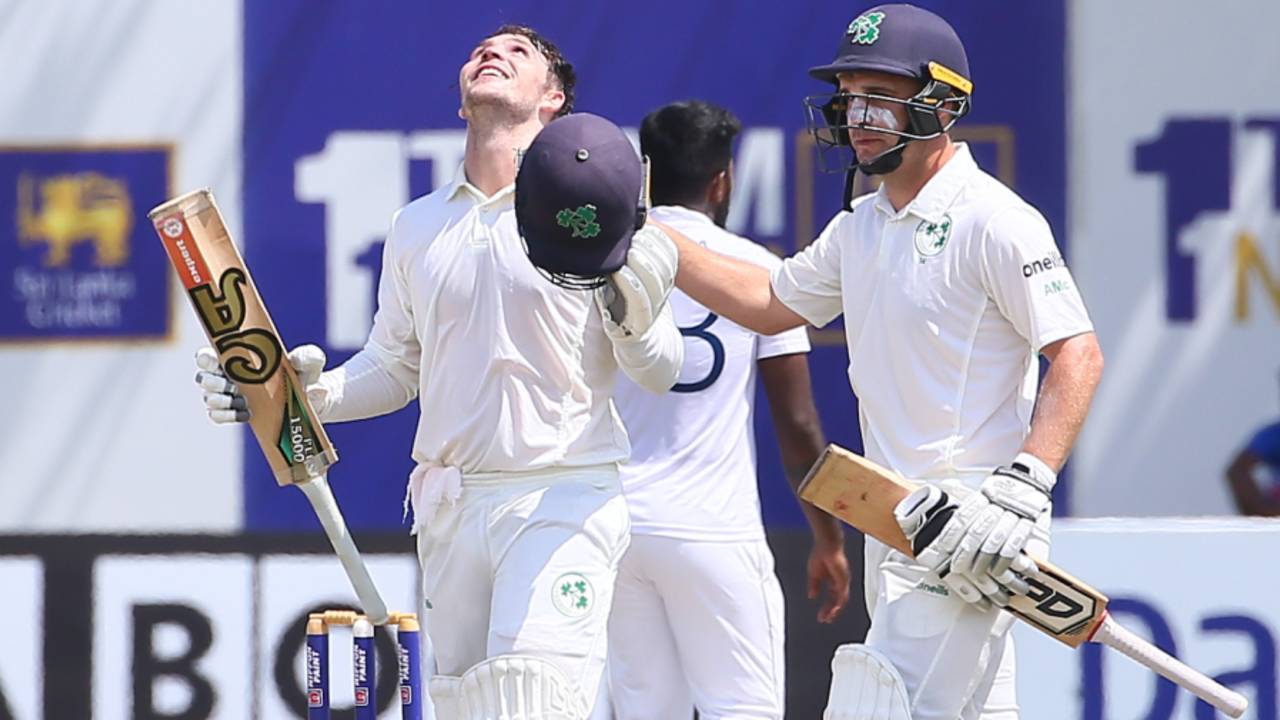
692,473
946,305
514,373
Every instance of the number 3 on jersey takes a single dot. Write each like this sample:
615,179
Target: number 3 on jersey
702,332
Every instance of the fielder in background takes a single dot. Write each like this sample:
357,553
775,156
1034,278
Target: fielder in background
517,503
951,288
698,613
1254,473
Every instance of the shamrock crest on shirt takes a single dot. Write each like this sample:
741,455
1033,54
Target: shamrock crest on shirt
931,237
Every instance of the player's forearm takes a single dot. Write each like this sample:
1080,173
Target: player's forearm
365,386
1074,372
653,359
799,430
800,448
731,288
825,528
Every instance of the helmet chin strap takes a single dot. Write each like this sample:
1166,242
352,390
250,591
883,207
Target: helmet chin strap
884,163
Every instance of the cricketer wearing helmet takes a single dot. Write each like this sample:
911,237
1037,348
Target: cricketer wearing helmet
951,288
518,508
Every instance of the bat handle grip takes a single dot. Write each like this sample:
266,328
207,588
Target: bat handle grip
1115,635
321,497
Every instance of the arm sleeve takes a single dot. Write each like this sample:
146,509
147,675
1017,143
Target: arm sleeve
787,342
383,376
1024,274
809,282
653,360
362,388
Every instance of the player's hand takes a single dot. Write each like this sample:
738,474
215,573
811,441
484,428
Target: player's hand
309,361
631,298
1022,491
937,526
828,566
223,399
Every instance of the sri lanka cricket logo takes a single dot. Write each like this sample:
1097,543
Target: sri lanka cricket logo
76,208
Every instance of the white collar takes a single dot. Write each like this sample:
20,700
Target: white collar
937,195
460,184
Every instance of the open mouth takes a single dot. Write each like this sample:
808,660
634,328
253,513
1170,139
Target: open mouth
490,71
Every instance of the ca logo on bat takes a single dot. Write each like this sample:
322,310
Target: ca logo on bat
222,316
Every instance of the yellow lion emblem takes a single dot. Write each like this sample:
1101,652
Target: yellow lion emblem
76,208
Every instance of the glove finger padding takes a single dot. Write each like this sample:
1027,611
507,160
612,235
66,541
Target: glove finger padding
922,515
938,553
218,401
967,560
1011,563
222,399
962,587
654,258
1009,525
625,305
1011,548
215,383
207,360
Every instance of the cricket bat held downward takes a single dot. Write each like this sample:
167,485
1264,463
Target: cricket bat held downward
252,355
864,495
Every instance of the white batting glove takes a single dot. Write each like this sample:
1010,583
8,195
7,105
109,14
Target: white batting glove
223,399
633,297
935,524
993,551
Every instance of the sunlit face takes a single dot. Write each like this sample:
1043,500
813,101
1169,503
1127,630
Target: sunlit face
868,143
507,70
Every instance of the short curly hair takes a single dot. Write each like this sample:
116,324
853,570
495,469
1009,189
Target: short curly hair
559,69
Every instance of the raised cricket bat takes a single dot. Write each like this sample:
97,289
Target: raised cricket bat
252,355
864,494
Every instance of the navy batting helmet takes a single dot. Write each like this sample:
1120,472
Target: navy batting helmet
902,40
579,199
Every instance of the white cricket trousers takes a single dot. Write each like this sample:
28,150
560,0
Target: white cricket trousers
697,623
525,563
957,661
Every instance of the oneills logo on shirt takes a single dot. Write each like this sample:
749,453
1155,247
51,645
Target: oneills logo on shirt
1044,264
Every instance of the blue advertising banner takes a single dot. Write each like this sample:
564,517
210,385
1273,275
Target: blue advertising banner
350,110
75,262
